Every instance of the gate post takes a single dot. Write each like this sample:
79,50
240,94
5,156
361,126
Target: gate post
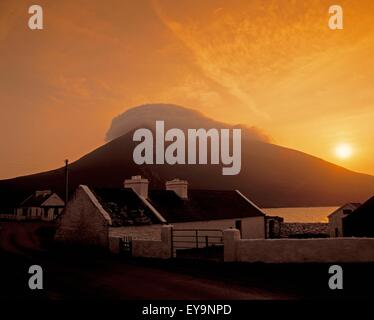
230,238
167,239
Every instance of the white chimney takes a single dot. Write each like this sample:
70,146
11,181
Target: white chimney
180,187
138,184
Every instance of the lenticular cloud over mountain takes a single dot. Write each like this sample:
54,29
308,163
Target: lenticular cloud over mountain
175,117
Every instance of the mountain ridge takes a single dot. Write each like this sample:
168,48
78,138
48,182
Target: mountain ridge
271,175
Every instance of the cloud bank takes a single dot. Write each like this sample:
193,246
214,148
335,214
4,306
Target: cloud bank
175,117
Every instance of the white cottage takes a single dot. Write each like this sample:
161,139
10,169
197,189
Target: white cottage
41,205
335,219
94,215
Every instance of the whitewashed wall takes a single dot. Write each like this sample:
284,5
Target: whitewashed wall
297,250
252,228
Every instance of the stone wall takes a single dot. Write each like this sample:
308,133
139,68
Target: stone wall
304,230
83,222
154,248
330,250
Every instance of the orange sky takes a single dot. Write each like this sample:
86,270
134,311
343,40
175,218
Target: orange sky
272,64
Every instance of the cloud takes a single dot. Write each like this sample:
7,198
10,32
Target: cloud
174,117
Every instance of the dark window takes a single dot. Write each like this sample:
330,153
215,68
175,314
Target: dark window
238,225
46,212
24,212
336,232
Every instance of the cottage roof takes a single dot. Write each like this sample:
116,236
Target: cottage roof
126,208
203,205
353,205
36,199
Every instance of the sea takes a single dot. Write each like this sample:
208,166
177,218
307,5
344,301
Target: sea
301,214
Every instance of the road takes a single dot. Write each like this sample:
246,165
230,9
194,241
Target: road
75,276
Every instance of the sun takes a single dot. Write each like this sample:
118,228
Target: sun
343,151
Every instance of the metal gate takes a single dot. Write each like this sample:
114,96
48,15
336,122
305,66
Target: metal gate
197,243
126,246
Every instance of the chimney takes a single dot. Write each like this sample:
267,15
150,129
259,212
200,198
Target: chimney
42,193
138,184
180,187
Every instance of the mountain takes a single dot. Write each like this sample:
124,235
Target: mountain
271,176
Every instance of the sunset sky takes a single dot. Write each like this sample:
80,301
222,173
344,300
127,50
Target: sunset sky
271,64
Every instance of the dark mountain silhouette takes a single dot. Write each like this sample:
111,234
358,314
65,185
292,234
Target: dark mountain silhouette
272,176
